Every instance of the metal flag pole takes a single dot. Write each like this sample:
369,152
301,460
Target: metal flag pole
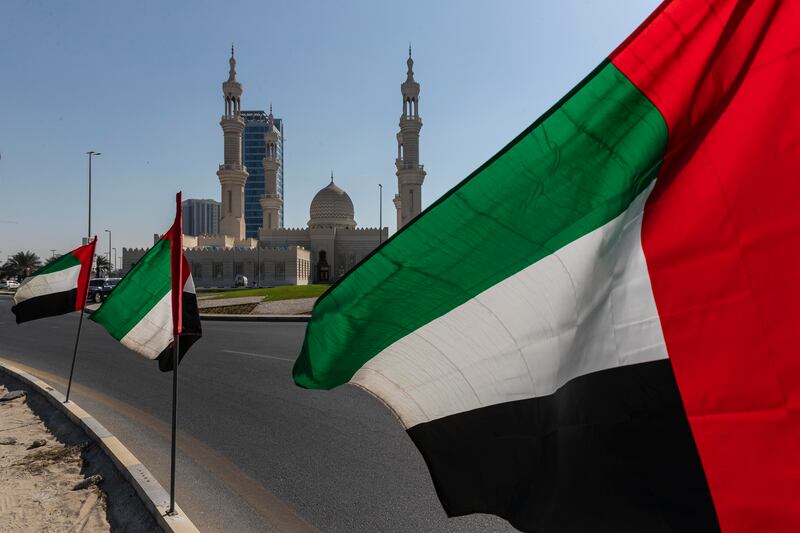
175,352
176,267
380,215
78,335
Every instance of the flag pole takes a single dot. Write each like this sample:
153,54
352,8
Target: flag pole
175,352
78,336
176,268
75,350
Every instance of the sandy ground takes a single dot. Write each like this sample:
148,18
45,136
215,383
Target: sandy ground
36,485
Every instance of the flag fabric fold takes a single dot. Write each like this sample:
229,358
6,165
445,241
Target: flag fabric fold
140,311
57,288
598,327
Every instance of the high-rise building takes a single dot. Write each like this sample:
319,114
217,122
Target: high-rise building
410,174
257,125
200,217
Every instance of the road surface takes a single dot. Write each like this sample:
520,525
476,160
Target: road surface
256,453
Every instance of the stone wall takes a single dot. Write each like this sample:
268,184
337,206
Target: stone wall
289,265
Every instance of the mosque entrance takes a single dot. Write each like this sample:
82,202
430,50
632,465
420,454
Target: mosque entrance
323,269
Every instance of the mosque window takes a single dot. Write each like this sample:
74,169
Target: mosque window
238,268
197,270
216,270
280,270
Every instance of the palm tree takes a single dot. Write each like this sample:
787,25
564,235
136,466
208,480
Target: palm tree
22,264
52,259
102,265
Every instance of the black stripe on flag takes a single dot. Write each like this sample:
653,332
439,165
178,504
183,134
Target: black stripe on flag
191,332
609,451
52,304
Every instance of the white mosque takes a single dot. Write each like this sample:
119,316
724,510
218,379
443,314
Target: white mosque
331,243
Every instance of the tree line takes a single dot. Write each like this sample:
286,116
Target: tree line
23,264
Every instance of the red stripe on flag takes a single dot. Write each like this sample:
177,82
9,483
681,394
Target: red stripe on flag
721,234
84,254
176,250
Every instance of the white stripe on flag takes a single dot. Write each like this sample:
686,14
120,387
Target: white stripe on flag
53,282
153,333
586,308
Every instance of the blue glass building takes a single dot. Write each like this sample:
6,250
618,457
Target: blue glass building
252,155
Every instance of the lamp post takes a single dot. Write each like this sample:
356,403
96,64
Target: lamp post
380,213
53,252
109,248
90,154
115,259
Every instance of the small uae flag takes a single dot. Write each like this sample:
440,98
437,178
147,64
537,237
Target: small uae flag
149,306
599,329
57,288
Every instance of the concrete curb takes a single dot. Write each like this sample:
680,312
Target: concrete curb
152,494
255,318
244,318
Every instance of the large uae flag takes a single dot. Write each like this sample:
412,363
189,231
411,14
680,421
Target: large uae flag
149,306
599,329
57,288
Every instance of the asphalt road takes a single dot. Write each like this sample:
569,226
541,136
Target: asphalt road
256,453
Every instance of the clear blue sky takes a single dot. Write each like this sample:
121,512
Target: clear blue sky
141,82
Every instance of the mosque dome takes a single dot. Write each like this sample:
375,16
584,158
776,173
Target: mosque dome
332,208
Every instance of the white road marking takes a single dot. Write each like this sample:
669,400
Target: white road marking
259,355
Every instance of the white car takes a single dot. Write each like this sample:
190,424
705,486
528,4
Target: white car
9,284
240,281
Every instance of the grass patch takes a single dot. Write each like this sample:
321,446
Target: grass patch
241,309
270,294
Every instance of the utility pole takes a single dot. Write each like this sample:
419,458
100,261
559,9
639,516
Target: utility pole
109,248
90,154
380,213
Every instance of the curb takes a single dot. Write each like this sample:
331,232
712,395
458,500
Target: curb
211,317
255,318
150,491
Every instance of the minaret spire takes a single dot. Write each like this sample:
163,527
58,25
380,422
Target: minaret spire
410,174
232,63
232,173
271,201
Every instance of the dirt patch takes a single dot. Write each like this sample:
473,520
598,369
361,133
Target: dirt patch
43,456
240,309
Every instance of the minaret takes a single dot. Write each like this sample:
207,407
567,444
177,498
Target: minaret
410,174
232,174
271,202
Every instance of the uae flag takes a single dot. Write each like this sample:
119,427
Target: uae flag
57,288
155,301
599,329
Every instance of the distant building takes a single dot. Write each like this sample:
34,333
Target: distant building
256,125
200,217
251,239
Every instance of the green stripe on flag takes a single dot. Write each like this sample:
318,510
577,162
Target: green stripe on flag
138,292
62,263
573,170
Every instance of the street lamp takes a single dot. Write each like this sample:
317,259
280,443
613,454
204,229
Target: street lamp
109,248
115,259
53,251
380,213
90,154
